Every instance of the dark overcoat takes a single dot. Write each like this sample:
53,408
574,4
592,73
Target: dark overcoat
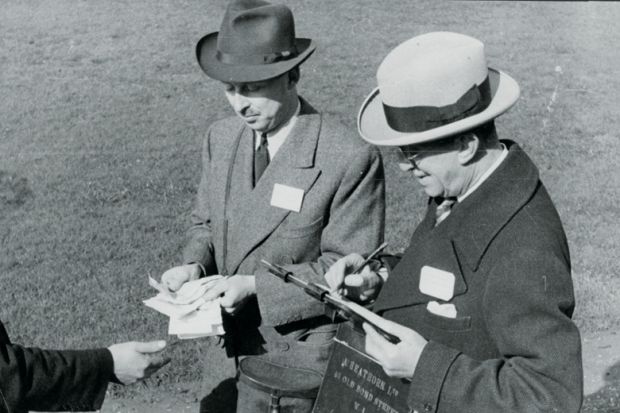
235,225
35,379
512,346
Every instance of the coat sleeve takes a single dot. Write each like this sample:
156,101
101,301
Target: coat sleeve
355,224
35,379
528,304
199,246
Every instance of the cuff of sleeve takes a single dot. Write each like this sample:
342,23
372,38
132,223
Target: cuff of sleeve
108,362
201,256
429,376
203,271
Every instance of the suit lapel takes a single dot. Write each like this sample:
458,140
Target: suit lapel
4,337
428,247
252,218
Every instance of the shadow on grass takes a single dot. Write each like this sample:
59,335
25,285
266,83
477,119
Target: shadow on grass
223,399
14,191
607,399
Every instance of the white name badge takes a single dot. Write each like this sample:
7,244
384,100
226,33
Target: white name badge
437,283
287,197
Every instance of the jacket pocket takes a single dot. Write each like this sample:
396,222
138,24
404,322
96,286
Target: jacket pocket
446,323
295,230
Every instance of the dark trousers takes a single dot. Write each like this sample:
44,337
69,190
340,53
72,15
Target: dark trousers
306,348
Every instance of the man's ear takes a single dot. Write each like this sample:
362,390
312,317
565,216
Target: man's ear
469,144
293,76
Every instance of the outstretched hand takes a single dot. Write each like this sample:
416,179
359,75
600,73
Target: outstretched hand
135,361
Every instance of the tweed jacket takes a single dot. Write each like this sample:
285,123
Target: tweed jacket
35,379
512,346
234,224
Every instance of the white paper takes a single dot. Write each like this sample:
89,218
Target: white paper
287,197
445,310
190,315
437,283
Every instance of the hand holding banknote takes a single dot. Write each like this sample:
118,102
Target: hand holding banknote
234,291
175,277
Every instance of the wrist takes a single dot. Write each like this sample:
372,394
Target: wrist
198,270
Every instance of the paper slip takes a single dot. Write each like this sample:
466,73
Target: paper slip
170,309
190,315
445,310
199,323
188,293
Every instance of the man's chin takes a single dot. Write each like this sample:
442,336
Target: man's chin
256,125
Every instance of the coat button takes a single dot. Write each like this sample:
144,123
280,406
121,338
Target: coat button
428,407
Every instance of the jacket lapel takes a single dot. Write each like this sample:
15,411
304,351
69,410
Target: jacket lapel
4,337
252,217
482,215
428,248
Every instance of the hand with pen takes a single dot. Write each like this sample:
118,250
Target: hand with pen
355,277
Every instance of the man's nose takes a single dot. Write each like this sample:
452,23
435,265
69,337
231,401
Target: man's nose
240,103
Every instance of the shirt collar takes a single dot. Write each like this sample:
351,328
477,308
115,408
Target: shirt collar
285,128
486,174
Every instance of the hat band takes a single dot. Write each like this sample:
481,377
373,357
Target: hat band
423,118
256,59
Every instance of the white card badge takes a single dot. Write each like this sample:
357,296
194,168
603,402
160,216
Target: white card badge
287,197
437,283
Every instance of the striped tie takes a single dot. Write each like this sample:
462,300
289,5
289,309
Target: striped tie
443,209
261,158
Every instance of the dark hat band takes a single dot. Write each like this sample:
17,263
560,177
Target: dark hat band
256,59
422,118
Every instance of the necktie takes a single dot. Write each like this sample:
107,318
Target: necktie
261,158
443,209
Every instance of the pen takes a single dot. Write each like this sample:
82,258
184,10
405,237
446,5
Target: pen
370,257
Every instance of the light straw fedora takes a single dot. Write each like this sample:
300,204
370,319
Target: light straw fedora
433,86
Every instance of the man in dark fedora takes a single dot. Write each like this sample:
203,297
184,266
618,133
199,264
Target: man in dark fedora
281,182
482,298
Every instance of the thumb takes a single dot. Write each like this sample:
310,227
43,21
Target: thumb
354,280
150,347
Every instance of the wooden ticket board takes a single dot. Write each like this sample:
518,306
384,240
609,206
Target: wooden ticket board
356,383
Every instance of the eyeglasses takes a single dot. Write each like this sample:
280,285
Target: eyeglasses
407,159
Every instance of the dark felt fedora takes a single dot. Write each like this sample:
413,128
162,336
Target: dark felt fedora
256,42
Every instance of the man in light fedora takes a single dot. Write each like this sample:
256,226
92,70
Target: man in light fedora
482,298
280,182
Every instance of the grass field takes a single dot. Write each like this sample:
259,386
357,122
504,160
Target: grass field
103,109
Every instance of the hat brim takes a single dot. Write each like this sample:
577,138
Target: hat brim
206,51
373,127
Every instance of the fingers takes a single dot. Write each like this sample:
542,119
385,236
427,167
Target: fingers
217,289
336,274
354,280
375,343
155,363
227,302
150,347
175,277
